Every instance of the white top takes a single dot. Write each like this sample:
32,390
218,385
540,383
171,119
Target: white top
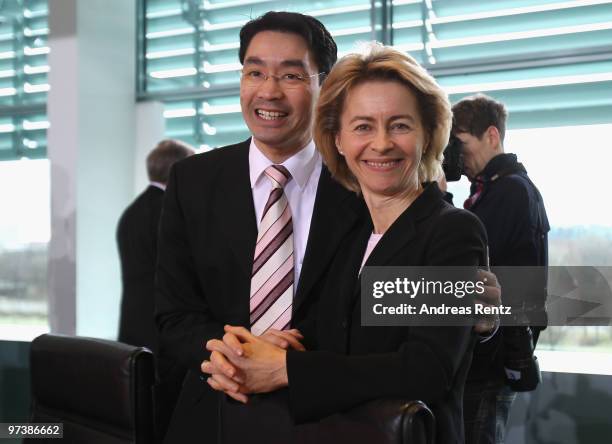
301,190
372,242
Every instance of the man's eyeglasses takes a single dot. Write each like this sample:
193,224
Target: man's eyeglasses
288,80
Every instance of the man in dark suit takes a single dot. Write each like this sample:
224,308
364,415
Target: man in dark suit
216,203
137,242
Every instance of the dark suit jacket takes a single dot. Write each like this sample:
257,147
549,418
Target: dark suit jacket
137,241
354,363
206,245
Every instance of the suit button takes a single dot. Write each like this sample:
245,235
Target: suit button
344,324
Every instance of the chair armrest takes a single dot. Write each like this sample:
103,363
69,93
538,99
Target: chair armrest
400,420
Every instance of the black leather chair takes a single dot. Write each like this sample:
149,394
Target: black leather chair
382,421
399,421
100,390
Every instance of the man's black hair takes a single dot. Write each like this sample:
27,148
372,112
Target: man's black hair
320,42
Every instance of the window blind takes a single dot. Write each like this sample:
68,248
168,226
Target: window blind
23,78
193,46
549,61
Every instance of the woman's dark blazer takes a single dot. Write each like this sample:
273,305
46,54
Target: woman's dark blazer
354,364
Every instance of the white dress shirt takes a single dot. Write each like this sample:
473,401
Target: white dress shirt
301,190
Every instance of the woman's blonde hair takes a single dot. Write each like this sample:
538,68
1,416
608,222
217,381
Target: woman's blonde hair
375,63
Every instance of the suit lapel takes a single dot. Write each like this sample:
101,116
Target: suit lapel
335,212
403,230
236,207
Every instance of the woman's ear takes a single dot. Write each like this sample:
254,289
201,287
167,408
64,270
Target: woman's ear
338,147
426,140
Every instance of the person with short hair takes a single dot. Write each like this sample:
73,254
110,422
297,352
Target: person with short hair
474,118
248,230
381,126
137,243
512,210
165,154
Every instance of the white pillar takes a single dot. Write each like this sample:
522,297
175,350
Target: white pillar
91,146
62,147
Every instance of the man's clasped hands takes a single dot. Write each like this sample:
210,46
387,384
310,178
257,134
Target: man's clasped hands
242,363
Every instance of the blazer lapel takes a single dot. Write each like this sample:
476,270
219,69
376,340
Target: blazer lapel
394,240
402,231
237,209
351,279
335,212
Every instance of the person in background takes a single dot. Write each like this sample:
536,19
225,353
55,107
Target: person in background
137,241
512,210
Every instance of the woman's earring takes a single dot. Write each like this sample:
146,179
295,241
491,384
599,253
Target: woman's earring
340,151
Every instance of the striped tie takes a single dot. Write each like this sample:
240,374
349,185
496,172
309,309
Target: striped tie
272,277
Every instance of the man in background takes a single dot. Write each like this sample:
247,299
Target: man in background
137,242
512,211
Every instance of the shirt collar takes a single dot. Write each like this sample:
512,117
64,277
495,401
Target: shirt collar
498,163
159,185
300,165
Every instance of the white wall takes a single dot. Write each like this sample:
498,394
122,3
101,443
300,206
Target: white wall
95,150
150,128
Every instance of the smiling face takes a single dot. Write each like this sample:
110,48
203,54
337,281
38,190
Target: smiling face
382,138
279,116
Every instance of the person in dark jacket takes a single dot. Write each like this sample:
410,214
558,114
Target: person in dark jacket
512,210
137,242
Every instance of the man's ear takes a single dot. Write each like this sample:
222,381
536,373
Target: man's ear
493,136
